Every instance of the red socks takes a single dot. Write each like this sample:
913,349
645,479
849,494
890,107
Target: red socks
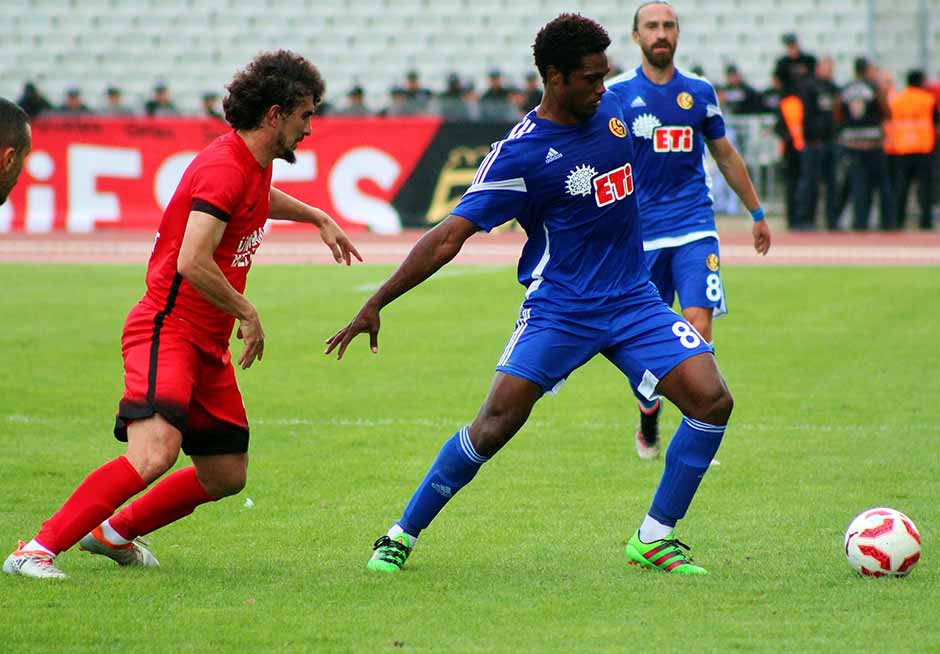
93,501
174,497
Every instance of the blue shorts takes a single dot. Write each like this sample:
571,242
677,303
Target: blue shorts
692,271
644,338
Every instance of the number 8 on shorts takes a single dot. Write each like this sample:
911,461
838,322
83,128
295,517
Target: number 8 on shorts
687,335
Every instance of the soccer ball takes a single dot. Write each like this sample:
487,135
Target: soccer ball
882,542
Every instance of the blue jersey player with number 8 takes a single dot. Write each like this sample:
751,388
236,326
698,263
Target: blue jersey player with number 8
566,173
672,115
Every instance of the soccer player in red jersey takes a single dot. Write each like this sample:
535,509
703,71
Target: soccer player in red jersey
180,390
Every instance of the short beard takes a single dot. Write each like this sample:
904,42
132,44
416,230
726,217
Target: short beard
659,60
5,190
285,153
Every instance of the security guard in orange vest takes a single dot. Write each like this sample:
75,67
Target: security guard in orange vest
914,121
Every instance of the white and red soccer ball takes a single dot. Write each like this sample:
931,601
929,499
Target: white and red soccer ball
882,542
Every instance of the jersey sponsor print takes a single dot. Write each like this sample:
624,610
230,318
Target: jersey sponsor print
669,124
226,182
571,187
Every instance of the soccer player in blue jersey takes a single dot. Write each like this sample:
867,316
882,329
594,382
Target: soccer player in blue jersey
566,174
672,115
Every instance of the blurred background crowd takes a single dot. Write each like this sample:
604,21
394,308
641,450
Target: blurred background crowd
844,146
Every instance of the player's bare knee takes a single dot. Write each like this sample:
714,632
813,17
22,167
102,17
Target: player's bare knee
493,428
487,437
152,458
222,476
232,484
153,445
720,406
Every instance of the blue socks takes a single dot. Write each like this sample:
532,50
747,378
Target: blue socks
690,452
455,466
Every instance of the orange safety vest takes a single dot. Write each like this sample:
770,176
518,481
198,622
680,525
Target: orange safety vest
792,109
912,129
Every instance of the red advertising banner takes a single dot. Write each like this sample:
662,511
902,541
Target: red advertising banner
95,173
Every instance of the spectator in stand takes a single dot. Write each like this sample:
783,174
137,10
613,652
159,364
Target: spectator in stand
355,103
398,103
739,96
770,97
210,109
795,64
451,104
160,104
818,160
495,104
416,95
32,101
74,104
532,93
114,103
915,119
864,107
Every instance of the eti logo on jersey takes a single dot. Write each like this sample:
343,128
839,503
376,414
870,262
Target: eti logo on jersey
607,187
672,138
614,185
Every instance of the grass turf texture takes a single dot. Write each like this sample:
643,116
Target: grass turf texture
834,373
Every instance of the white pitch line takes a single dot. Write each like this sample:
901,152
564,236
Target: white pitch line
810,254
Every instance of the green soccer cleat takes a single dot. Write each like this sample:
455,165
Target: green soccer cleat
665,555
389,554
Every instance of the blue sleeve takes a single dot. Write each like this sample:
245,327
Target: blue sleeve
498,192
713,127
617,90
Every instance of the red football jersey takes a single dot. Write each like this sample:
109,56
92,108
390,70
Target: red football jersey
225,181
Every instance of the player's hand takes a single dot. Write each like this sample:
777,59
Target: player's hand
251,332
367,320
761,233
336,239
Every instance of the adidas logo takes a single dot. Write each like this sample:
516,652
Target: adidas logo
638,102
553,155
441,488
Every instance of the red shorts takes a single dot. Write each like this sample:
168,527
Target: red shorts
188,380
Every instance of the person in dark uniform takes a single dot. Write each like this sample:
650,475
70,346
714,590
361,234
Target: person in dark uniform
864,109
739,96
795,64
818,160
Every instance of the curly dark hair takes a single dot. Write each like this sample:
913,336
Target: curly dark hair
564,41
279,78
13,121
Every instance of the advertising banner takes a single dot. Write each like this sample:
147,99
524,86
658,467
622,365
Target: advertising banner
377,174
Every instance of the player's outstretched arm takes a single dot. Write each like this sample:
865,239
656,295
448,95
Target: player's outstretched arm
438,246
196,264
286,207
735,172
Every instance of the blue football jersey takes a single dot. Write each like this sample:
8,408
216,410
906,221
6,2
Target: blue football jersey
669,123
571,188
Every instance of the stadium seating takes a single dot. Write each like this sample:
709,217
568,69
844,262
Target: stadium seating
196,45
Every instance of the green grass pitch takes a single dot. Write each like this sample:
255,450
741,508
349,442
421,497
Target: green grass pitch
835,377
